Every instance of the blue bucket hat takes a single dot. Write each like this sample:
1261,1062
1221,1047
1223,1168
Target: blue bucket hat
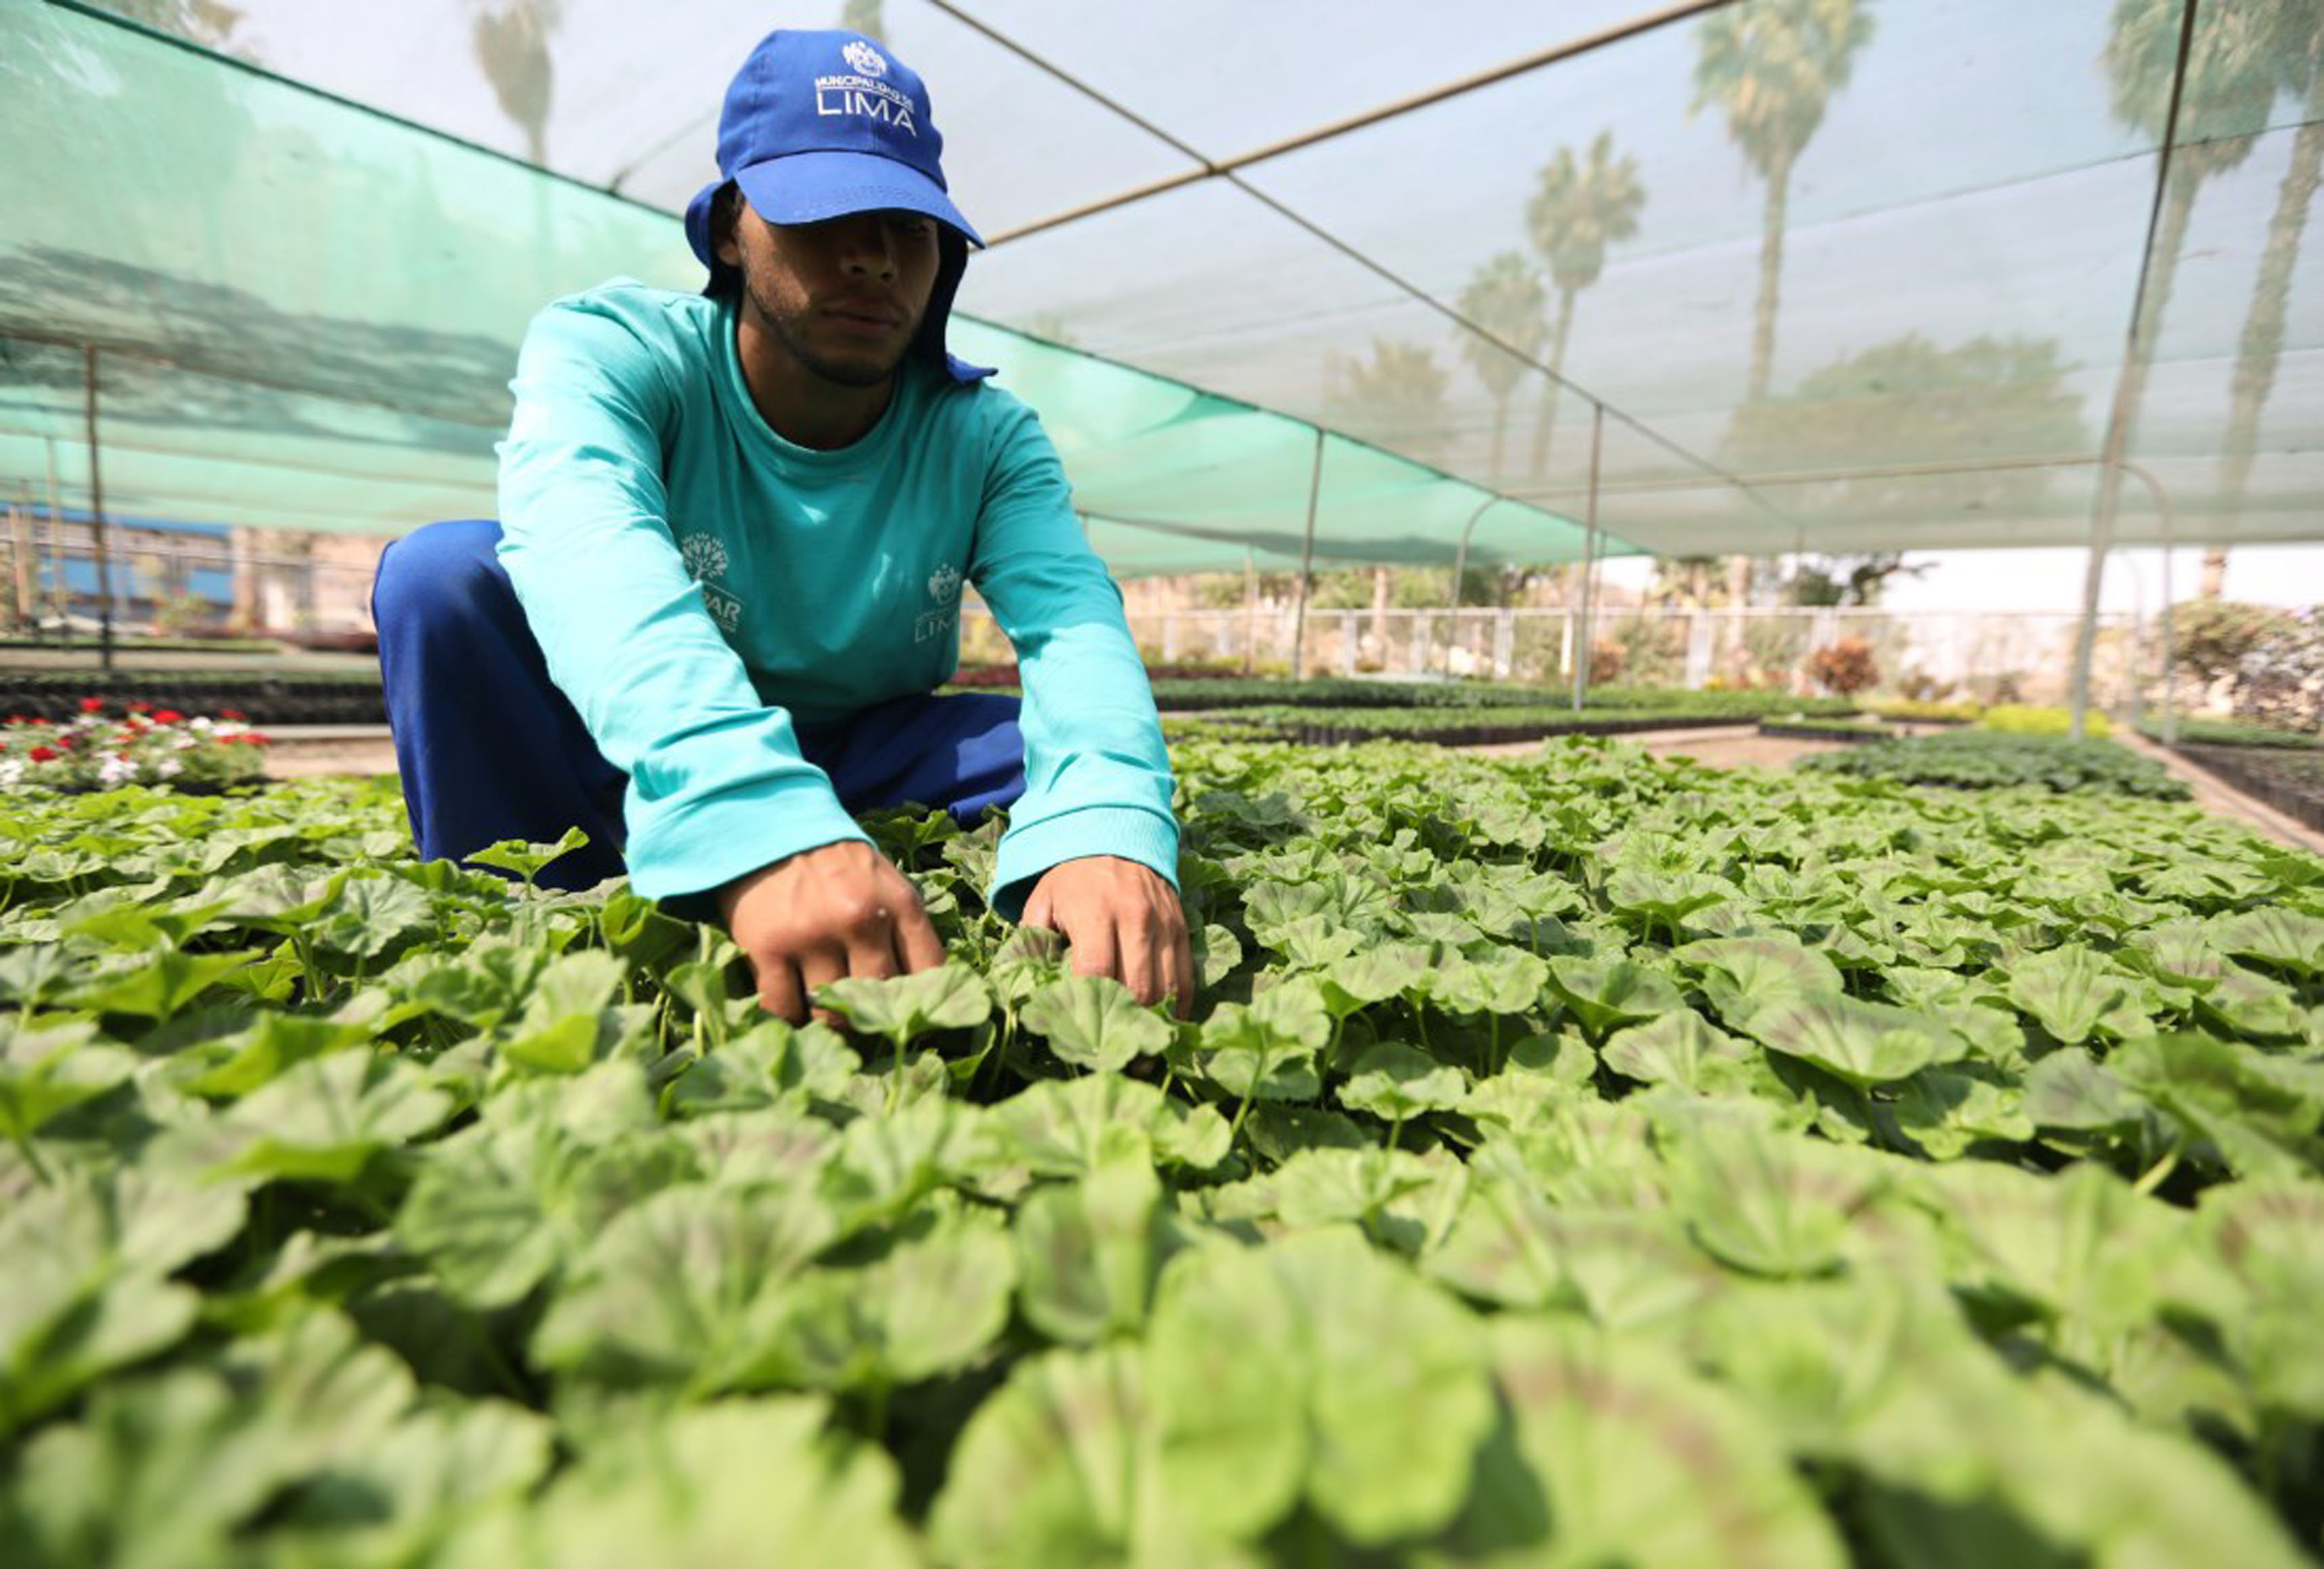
820,125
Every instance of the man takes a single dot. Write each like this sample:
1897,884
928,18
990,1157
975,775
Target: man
726,578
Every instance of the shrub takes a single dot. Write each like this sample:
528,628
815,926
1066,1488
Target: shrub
1845,667
2026,719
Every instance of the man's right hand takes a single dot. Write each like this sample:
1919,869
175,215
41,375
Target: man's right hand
824,915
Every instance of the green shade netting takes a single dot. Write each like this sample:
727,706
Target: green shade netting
1903,325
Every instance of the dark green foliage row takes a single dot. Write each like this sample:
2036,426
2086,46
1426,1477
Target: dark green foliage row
264,697
2231,733
1985,759
1584,1159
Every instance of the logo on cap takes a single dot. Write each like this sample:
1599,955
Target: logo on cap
944,584
865,59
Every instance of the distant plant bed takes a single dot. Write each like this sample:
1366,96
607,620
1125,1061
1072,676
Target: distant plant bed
356,641
142,745
2232,732
2025,719
1982,760
1178,694
309,697
1806,727
2289,778
183,644
1922,712
1490,726
985,677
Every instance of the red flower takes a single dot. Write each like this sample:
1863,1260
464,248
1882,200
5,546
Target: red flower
92,705
44,754
138,706
168,716
236,714
19,718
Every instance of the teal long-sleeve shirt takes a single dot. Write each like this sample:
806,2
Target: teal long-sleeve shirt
697,582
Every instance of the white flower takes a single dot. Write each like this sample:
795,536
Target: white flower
168,766
199,722
115,771
182,743
11,771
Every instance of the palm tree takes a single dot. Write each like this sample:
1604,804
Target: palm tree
511,41
1505,299
1395,399
2230,83
2297,48
1582,205
1773,66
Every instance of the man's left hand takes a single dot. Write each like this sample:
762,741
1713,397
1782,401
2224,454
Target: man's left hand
1123,920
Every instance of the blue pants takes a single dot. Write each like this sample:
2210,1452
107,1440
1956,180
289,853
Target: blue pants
489,749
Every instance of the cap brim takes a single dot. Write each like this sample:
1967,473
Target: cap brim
806,187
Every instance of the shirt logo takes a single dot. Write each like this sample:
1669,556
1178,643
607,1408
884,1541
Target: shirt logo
944,584
705,555
864,59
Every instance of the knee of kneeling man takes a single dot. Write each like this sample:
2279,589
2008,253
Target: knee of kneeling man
442,569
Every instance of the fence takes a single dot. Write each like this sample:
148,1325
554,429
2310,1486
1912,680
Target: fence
1986,655
52,582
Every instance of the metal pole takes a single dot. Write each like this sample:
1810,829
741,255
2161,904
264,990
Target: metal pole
1589,557
1250,611
97,515
2127,388
1461,571
1306,562
60,590
2146,476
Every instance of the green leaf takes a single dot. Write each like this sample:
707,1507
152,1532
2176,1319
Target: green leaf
1625,1268
371,914
1603,994
2285,938
1062,1128
1771,1204
1395,1082
1092,1021
902,1008
323,1120
1505,981
1741,974
525,859
87,1263
46,1072
1864,1043
741,1482
772,1064
1315,1365
1945,1110
2071,992
251,1058
2070,1089
1054,1468
160,984
687,1290
1702,1479
1088,1251
931,1305
1682,1048
2258,1116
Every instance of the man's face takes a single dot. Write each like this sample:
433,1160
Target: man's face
842,297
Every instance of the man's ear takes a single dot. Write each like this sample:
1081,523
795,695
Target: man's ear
726,211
